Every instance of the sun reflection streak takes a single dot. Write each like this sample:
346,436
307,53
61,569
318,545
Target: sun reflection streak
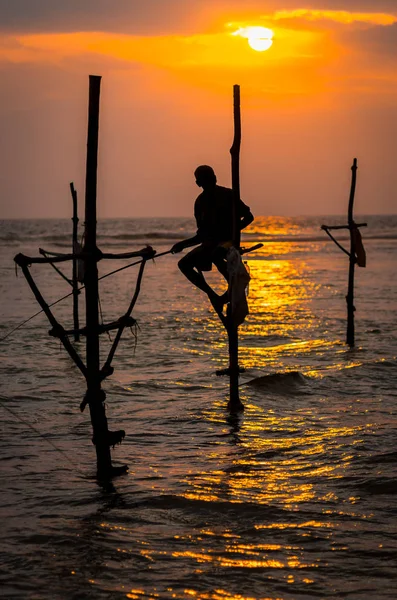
270,484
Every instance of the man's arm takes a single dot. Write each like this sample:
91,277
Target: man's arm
179,246
246,216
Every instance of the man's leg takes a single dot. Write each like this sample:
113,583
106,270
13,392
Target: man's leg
221,265
220,262
188,266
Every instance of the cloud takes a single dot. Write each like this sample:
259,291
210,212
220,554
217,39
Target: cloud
325,92
308,60
378,40
202,61
160,16
95,15
338,16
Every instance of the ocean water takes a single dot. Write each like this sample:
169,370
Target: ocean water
292,499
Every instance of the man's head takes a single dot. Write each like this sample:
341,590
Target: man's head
205,176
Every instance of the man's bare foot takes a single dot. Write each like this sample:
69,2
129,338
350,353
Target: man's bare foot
217,303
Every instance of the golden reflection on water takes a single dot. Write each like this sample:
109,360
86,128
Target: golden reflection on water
246,475
274,226
272,458
281,322
221,595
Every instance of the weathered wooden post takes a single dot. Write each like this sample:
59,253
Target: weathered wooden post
352,260
103,439
95,396
238,277
75,283
232,329
356,254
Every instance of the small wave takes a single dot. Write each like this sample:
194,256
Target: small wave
382,458
280,382
65,239
55,238
384,365
155,235
170,501
379,486
10,237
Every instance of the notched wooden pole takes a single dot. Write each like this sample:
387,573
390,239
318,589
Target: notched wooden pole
356,253
103,439
235,403
95,396
352,260
75,283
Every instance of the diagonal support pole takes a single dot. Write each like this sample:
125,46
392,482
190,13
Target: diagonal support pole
107,368
43,253
57,327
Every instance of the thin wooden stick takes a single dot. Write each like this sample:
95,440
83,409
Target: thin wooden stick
235,403
43,252
352,261
55,257
106,369
75,283
22,259
335,241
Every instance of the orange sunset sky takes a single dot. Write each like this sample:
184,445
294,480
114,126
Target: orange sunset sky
323,93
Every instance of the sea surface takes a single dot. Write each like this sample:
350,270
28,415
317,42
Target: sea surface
293,499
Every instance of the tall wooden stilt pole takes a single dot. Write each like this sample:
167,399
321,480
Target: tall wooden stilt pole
356,254
75,283
232,328
352,261
95,395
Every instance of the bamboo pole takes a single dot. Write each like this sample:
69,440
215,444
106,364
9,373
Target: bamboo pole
352,261
232,329
356,253
95,395
75,283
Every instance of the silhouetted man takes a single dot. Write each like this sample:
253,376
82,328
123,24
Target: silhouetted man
213,210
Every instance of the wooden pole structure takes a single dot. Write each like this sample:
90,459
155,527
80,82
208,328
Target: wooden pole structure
356,253
75,283
103,439
232,329
352,260
95,396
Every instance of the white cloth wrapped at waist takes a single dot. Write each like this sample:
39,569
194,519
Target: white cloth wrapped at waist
239,279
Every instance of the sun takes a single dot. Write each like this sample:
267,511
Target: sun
259,38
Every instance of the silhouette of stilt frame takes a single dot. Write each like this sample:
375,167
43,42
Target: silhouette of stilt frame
235,403
234,370
356,254
95,396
